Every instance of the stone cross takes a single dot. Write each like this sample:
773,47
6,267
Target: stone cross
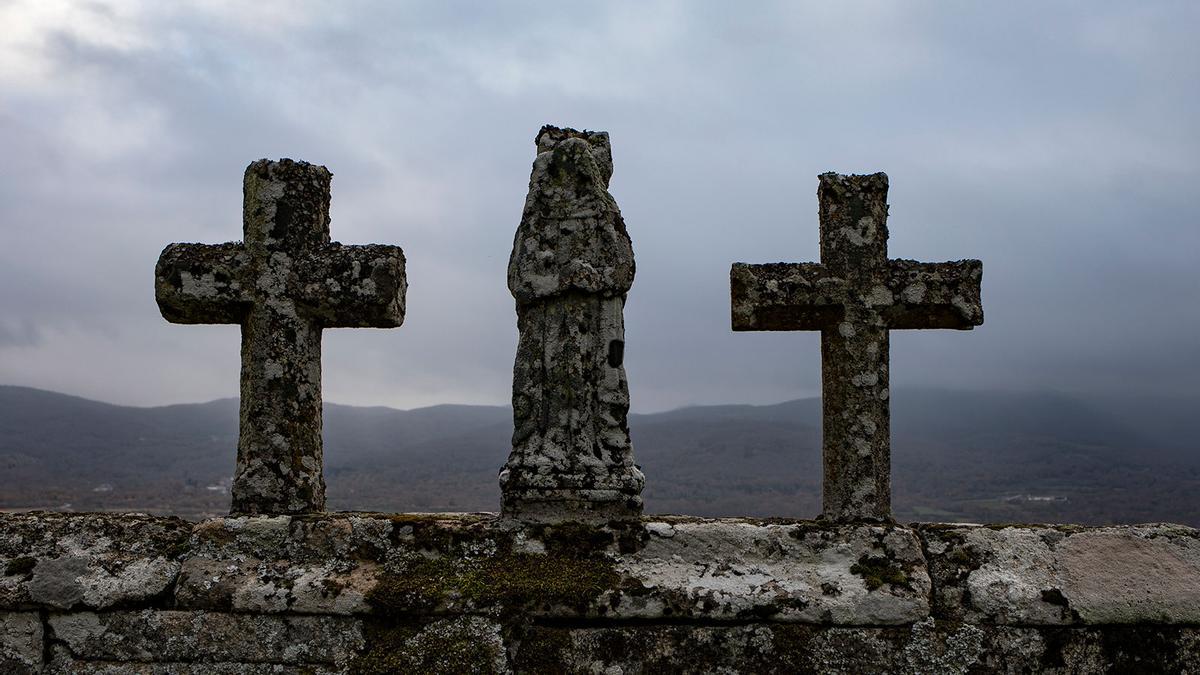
854,296
283,284
571,266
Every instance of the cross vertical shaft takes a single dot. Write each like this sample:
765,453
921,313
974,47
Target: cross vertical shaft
855,446
280,450
855,296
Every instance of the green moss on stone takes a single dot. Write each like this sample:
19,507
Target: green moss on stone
178,550
417,588
508,579
963,556
543,651
218,535
574,539
878,570
445,647
436,533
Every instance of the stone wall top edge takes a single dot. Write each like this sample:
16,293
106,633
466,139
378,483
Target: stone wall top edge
488,517
681,567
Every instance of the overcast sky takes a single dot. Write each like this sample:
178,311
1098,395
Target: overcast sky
1058,142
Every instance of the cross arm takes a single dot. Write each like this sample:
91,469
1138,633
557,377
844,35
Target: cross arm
355,286
935,295
784,296
202,283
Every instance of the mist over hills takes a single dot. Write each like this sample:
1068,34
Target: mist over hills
974,456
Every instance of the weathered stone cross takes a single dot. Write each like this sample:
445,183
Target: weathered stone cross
854,296
283,284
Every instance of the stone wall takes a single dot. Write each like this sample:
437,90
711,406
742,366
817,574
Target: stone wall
473,593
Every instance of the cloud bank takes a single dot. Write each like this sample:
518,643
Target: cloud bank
1057,143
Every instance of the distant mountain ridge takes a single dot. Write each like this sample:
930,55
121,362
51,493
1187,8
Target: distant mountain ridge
956,456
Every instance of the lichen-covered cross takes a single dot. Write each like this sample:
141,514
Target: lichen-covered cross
854,296
284,284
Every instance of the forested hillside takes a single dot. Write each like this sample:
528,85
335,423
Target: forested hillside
956,456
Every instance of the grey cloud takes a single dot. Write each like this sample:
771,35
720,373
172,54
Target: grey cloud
1057,143
19,334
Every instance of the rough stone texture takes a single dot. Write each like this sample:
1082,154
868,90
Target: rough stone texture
467,644
854,297
679,567
571,267
925,647
285,564
1048,575
95,561
62,661
729,570
283,284
168,635
451,593
20,642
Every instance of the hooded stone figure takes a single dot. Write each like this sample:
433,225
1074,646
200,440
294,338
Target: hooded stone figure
571,266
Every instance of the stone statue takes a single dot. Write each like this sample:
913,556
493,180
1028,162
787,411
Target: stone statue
571,266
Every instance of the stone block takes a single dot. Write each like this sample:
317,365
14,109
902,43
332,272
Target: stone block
414,565
804,571
308,565
468,644
925,647
169,635
658,568
301,539
252,585
20,642
94,561
1064,575
62,661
